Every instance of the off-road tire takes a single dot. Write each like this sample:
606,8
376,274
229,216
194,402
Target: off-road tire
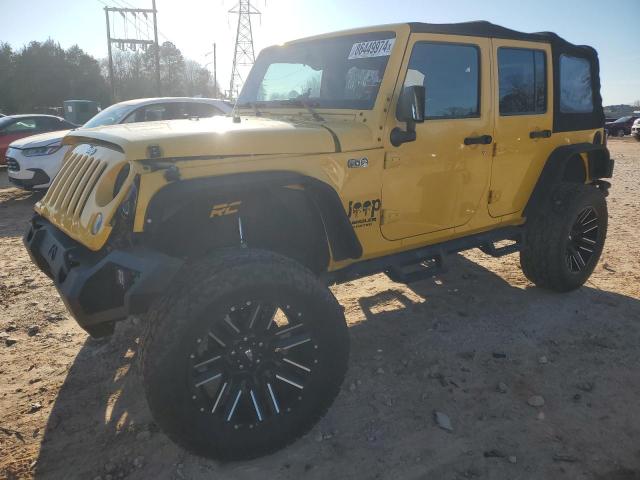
180,326
549,239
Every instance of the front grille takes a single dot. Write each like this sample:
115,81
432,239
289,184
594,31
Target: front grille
73,185
13,165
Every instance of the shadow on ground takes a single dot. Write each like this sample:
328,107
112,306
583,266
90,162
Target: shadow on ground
15,206
435,345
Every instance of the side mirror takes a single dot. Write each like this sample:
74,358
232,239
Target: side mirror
411,104
411,109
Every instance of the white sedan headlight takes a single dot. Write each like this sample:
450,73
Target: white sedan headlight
41,151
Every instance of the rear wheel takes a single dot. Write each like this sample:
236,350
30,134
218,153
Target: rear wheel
245,357
561,247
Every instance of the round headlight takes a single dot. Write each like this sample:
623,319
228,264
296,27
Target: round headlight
97,224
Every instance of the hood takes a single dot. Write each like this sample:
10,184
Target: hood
41,140
221,136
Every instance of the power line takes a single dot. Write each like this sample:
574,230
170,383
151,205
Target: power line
141,40
146,21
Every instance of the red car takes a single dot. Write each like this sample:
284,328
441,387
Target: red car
14,127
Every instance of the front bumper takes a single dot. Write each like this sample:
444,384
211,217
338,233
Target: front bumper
38,179
99,288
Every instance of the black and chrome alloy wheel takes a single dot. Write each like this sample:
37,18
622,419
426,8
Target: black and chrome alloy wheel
245,356
253,364
582,240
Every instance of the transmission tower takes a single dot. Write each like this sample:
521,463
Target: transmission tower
243,55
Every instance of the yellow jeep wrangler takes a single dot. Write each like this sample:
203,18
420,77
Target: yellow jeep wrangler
382,149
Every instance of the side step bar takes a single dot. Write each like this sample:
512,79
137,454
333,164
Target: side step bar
424,262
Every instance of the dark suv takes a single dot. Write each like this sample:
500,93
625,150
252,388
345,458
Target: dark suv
621,126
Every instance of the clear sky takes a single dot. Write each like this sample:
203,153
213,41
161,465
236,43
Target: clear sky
193,25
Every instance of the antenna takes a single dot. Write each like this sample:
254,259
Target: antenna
243,55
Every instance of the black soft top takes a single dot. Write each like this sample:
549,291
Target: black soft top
562,122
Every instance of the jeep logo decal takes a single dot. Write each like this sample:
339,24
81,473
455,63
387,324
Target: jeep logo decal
364,213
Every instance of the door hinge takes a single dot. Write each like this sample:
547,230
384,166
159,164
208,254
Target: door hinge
391,160
389,216
494,149
494,196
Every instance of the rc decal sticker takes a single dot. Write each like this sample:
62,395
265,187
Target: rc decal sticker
224,209
364,213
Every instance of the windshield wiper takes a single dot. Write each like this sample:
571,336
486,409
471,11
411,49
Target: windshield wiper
303,102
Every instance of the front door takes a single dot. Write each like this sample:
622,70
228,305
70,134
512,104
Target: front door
438,181
523,123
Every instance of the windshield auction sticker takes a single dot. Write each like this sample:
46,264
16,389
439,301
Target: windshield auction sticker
374,48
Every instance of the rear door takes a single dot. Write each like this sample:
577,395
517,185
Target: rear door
523,124
437,182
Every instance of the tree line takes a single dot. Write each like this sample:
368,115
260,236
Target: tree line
41,75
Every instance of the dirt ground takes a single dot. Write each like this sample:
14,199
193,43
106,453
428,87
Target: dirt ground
475,343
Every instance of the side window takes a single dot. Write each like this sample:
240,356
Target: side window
203,110
451,75
576,95
160,111
135,116
23,125
50,124
523,81
150,113
176,111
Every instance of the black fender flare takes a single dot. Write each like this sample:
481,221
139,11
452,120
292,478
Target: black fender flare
599,163
341,236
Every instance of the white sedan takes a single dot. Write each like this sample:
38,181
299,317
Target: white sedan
33,162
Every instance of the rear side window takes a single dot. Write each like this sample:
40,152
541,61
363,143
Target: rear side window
576,95
451,75
523,81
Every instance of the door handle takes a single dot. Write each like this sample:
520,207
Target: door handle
540,134
481,140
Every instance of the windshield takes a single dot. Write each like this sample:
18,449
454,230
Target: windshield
342,72
109,116
622,120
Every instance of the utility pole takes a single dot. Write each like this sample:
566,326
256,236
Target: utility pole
215,72
111,80
143,40
243,55
215,69
157,51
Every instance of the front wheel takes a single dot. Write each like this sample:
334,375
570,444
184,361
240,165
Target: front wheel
620,133
562,246
245,357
